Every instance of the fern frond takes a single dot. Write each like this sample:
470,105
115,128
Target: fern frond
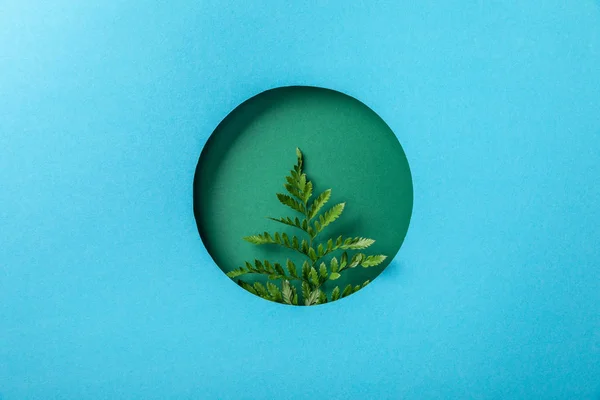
306,195
318,203
356,260
293,189
371,261
291,267
305,291
323,275
274,292
305,270
302,182
238,272
322,297
260,239
357,243
335,294
305,248
333,264
314,276
347,291
281,240
295,298
273,271
343,261
261,290
314,273
291,202
268,267
279,269
313,297
328,217
311,253
299,159
287,294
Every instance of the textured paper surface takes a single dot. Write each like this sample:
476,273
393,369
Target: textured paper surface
106,291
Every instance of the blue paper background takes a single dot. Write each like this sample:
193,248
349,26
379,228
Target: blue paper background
106,291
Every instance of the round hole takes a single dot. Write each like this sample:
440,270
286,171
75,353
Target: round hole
345,147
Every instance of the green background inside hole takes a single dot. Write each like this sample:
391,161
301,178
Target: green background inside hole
347,147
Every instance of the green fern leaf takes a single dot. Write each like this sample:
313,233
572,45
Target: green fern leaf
296,223
334,265
366,283
286,239
358,243
330,215
286,292
343,261
293,190
320,250
307,192
334,276
335,294
317,227
300,192
290,180
290,202
283,241
291,268
261,290
314,276
268,267
259,239
372,261
318,203
305,291
304,247
347,291
313,298
279,269
322,297
295,173
274,292
237,272
312,254
302,183
305,270
356,260
323,272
